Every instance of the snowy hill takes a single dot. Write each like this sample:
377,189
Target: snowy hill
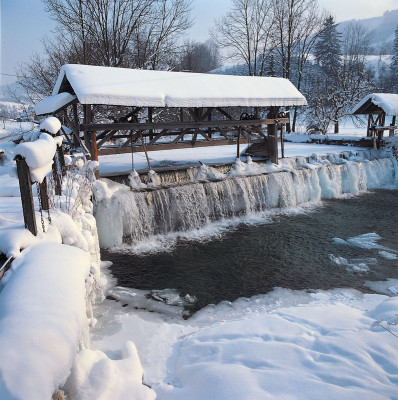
382,28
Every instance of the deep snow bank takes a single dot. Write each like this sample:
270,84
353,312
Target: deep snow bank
42,319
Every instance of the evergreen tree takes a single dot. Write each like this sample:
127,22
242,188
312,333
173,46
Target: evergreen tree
394,63
328,48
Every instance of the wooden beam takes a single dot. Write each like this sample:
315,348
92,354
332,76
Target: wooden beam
272,130
172,146
153,140
223,112
180,125
107,136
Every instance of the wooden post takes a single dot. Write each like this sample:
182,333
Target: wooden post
25,187
368,130
93,146
45,204
272,133
238,143
282,143
56,177
392,131
209,119
87,120
75,126
150,120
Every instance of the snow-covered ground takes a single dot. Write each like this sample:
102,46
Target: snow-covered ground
338,344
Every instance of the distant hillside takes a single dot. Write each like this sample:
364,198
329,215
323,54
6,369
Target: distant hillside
382,28
7,91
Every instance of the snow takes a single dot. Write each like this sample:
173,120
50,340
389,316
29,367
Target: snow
387,101
283,345
121,163
51,104
51,125
147,88
42,319
39,155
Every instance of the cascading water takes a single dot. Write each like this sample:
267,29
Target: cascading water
132,216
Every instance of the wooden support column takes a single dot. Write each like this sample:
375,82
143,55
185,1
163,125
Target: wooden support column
150,120
392,131
272,130
368,130
238,143
76,132
25,187
93,146
87,120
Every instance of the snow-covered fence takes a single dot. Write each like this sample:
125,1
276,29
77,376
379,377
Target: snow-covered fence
34,161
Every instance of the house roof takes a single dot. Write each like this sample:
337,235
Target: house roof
377,103
147,88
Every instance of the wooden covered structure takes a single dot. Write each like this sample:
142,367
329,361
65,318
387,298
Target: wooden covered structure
158,110
378,106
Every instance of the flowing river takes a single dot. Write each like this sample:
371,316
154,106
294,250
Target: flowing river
333,243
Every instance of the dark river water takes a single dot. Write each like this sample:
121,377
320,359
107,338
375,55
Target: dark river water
292,251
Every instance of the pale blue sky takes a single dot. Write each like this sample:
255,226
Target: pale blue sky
24,23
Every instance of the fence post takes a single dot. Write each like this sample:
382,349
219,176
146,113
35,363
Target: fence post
25,187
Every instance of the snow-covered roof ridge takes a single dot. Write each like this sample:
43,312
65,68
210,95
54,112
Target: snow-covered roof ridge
386,101
148,88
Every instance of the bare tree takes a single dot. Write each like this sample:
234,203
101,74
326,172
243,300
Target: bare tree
118,33
199,57
245,32
154,44
100,31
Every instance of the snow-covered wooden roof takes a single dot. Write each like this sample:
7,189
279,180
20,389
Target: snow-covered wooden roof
52,104
147,88
375,103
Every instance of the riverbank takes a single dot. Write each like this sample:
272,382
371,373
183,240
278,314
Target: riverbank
286,344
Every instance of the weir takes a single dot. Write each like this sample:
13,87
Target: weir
176,206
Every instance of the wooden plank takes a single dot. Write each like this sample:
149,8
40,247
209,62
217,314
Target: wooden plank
171,146
25,187
179,125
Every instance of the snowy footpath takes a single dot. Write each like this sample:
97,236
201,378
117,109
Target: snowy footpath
338,344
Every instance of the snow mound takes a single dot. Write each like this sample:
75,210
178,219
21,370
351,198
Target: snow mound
39,155
51,125
40,334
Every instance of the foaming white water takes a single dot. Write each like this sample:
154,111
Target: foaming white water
134,216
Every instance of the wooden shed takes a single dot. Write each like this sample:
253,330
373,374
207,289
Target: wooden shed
378,106
202,109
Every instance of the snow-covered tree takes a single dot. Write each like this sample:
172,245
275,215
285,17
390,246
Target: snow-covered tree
336,86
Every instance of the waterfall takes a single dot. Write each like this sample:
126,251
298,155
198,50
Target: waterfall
131,216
